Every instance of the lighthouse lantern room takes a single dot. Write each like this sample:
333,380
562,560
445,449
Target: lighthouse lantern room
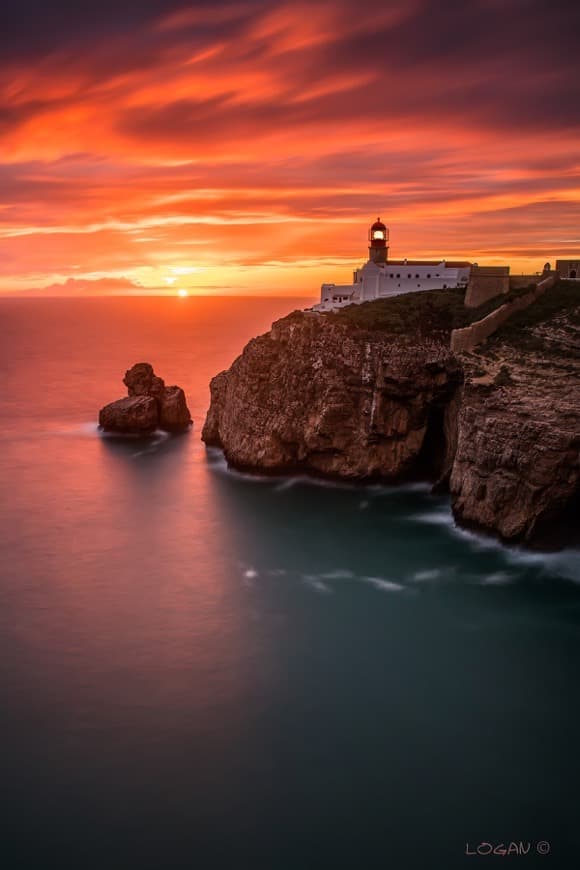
378,238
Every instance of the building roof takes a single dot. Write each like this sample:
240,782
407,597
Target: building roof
452,264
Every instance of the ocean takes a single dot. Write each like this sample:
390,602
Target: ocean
207,669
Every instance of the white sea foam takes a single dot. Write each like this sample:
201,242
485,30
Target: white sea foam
390,488
565,563
444,517
85,430
381,583
288,483
217,462
498,578
317,584
436,517
250,574
425,576
216,459
339,574
157,439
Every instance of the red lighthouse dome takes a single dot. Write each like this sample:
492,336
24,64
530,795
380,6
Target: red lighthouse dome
378,242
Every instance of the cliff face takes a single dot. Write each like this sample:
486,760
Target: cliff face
516,467
500,427
516,470
313,395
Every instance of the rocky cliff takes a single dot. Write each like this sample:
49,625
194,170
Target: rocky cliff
332,395
516,470
312,395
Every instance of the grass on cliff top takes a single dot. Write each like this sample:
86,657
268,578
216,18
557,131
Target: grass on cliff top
428,312
496,301
434,313
563,297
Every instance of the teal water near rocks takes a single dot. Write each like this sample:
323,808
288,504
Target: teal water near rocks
201,668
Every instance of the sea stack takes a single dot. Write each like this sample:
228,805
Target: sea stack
150,405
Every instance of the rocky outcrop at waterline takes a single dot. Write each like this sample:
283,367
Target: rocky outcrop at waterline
150,405
339,396
310,395
516,469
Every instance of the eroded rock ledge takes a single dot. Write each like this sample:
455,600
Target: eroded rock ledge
500,428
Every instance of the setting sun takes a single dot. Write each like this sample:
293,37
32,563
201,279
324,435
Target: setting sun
182,292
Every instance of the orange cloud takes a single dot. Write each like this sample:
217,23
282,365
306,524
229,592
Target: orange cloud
251,142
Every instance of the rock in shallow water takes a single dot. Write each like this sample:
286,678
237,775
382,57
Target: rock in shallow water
141,380
173,410
135,415
150,405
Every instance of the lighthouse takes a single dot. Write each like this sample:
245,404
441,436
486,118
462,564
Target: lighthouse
381,277
378,242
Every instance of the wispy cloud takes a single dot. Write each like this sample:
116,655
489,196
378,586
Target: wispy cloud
238,137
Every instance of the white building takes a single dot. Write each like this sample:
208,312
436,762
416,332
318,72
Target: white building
381,277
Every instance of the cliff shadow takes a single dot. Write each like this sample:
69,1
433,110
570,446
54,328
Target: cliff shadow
435,458
561,527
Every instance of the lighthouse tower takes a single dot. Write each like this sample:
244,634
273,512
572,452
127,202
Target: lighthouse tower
378,242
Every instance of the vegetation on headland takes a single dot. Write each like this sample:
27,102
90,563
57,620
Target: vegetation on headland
435,313
530,329
497,301
563,295
432,313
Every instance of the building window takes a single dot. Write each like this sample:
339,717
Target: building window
409,275
398,276
429,276
391,275
417,276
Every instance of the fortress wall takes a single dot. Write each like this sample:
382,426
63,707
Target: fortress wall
485,282
469,337
517,281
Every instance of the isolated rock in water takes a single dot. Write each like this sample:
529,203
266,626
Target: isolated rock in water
141,380
173,410
134,415
150,405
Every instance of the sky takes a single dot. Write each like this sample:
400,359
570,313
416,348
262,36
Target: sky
148,146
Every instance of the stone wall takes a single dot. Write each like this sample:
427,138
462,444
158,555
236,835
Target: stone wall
469,337
485,282
517,281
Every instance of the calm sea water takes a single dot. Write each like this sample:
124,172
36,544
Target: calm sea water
200,669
